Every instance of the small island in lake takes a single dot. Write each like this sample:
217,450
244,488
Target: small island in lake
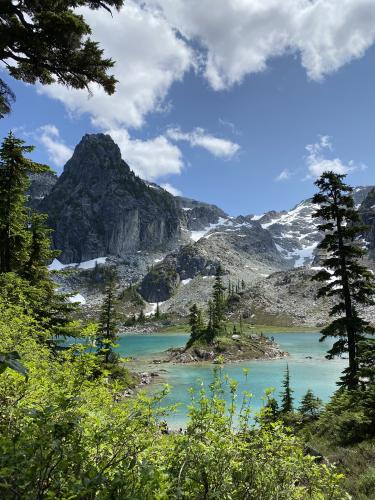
211,340
230,348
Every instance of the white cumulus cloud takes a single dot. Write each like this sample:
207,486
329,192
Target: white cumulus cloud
171,189
58,152
217,146
156,42
150,159
149,58
317,161
239,37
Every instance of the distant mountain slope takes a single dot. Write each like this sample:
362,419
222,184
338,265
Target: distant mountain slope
172,245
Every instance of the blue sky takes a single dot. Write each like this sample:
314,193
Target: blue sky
242,109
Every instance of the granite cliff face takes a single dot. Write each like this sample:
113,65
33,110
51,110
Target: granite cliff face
40,186
99,207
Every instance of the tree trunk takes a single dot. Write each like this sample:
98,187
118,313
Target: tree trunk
352,350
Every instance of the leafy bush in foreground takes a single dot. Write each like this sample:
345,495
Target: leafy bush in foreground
65,434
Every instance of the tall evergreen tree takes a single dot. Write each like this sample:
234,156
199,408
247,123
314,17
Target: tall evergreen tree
286,394
210,319
344,277
108,325
14,182
218,300
157,312
25,242
196,323
40,252
141,317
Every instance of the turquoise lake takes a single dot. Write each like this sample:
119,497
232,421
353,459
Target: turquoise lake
307,364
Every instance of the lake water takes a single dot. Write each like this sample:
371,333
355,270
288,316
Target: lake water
317,373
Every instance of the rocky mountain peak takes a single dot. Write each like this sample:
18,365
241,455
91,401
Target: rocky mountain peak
99,207
95,157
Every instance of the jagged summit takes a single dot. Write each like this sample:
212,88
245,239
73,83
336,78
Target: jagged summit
99,207
96,155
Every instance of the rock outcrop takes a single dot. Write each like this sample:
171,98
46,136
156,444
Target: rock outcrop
99,207
245,250
199,215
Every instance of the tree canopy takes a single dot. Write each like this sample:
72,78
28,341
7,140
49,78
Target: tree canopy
50,42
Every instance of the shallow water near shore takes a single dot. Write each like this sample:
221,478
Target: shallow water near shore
307,364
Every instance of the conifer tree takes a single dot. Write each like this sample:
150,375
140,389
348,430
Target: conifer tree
50,41
108,325
271,407
310,405
343,275
14,182
193,319
157,312
210,319
218,300
25,243
141,317
196,323
241,324
287,393
200,321
366,362
39,252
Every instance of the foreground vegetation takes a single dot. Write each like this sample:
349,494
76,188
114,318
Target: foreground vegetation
67,429
67,433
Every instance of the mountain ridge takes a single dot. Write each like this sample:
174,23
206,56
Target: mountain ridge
171,246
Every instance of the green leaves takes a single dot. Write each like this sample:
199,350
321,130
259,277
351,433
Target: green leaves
11,360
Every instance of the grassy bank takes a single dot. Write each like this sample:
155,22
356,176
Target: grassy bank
356,462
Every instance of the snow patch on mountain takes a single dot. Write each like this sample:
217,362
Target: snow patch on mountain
56,265
197,235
